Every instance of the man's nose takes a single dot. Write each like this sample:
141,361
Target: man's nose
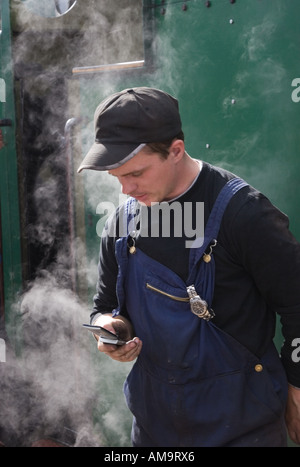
128,186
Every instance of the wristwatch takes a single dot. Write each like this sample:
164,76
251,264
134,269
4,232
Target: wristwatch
199,306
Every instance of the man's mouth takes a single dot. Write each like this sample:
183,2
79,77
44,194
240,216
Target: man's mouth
139,197
142,198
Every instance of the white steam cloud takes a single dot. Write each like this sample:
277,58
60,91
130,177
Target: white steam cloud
54,383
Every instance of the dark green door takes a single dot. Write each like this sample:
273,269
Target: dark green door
10,255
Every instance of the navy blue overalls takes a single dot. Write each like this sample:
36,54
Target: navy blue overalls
192,384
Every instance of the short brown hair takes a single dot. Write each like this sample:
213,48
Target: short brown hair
162,148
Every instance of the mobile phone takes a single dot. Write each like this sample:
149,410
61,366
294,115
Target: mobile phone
105,336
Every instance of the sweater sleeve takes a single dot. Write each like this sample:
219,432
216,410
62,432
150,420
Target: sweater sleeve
105,299
271,255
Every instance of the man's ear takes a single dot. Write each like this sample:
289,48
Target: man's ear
177,150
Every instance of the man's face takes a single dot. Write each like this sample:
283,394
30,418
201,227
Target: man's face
147,177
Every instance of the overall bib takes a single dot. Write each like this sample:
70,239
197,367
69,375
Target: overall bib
193,384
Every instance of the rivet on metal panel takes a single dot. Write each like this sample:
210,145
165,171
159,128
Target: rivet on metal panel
231,21
184,7
163,11
208,4
207,146
232,1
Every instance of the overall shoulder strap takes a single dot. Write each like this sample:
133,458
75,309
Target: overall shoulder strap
210,236
121,249
228,191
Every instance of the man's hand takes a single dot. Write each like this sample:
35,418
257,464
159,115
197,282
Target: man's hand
292,416
120,325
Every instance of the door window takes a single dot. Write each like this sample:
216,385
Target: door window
49,8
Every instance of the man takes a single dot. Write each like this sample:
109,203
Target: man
197,311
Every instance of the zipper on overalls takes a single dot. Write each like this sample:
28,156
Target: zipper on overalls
173,297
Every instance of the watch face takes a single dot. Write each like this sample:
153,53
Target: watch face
198,306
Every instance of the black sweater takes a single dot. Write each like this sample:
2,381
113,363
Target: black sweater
257,266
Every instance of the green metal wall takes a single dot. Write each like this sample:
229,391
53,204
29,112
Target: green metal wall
9,193
232,66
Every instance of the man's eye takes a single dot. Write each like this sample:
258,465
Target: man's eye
136,174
